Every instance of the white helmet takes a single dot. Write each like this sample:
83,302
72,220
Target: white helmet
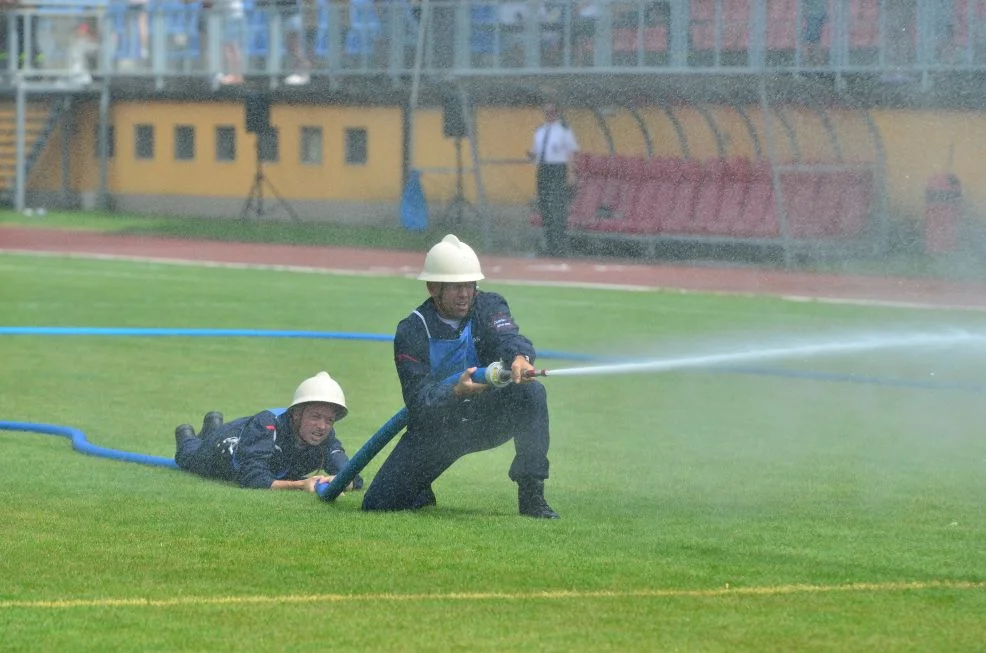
451,261
323,388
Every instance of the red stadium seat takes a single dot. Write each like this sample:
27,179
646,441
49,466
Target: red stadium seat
782,26
616,200
681,218
739,173
652,39
591,184
708,196
864,24
759,210
703,24
656,38
735,25
857,197
655,199
799,194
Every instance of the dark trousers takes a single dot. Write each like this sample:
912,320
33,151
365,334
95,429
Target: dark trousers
552,196
192,457
485,422
21,36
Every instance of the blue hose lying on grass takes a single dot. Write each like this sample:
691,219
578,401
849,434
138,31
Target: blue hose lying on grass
80,444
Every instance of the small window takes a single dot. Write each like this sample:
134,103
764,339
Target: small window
184,143
267,145
110,143
144,141
311,146
225,143
355,146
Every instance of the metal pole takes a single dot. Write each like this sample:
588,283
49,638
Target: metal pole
775,173
67,129
103,138
20,170
419,53
481,208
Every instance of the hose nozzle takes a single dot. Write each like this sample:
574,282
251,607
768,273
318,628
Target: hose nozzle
498,376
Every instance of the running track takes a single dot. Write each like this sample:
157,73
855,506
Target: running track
744,280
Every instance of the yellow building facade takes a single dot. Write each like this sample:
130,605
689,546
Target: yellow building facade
315,163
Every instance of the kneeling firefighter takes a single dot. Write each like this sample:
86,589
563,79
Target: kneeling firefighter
436,348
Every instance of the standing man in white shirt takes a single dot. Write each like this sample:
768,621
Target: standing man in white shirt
552,151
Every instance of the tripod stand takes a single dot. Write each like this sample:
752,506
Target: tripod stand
459,201
255,199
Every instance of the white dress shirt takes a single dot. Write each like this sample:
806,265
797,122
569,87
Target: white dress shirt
560,145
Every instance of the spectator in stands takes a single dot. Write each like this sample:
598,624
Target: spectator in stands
21,31
233,29
294,38
553,147
553,16
363,31
82,46
814,15
138,14
584,32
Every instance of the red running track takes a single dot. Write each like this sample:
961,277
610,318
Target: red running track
704,278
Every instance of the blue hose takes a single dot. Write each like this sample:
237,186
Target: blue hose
329,491
80,444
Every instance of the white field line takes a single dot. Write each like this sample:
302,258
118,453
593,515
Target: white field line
408,273
546,595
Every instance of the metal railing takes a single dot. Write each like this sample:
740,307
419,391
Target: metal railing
71,40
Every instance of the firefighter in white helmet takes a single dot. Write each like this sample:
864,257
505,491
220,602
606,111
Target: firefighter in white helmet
280,449
457,329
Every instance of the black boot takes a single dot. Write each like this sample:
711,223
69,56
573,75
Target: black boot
182,433
530,499
424,499
212,421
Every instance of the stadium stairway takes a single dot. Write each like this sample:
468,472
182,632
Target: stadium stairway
40,120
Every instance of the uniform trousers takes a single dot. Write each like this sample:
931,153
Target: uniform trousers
486,421
552,197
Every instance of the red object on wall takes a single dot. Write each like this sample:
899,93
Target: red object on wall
942,213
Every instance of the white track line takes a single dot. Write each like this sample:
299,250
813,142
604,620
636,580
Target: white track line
382,271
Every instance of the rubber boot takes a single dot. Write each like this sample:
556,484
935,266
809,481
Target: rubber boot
212,421
424,499
182,433
530,500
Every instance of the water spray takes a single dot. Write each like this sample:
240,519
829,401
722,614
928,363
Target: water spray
769,353
498,375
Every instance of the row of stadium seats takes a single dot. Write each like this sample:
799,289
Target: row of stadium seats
725,197
784,28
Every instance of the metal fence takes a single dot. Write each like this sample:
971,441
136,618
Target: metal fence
75,40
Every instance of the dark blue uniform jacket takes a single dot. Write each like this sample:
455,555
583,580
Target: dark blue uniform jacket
256,451
495,335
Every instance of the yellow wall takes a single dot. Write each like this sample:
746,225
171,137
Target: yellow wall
918,144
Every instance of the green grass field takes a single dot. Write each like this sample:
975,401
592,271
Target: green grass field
702,509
